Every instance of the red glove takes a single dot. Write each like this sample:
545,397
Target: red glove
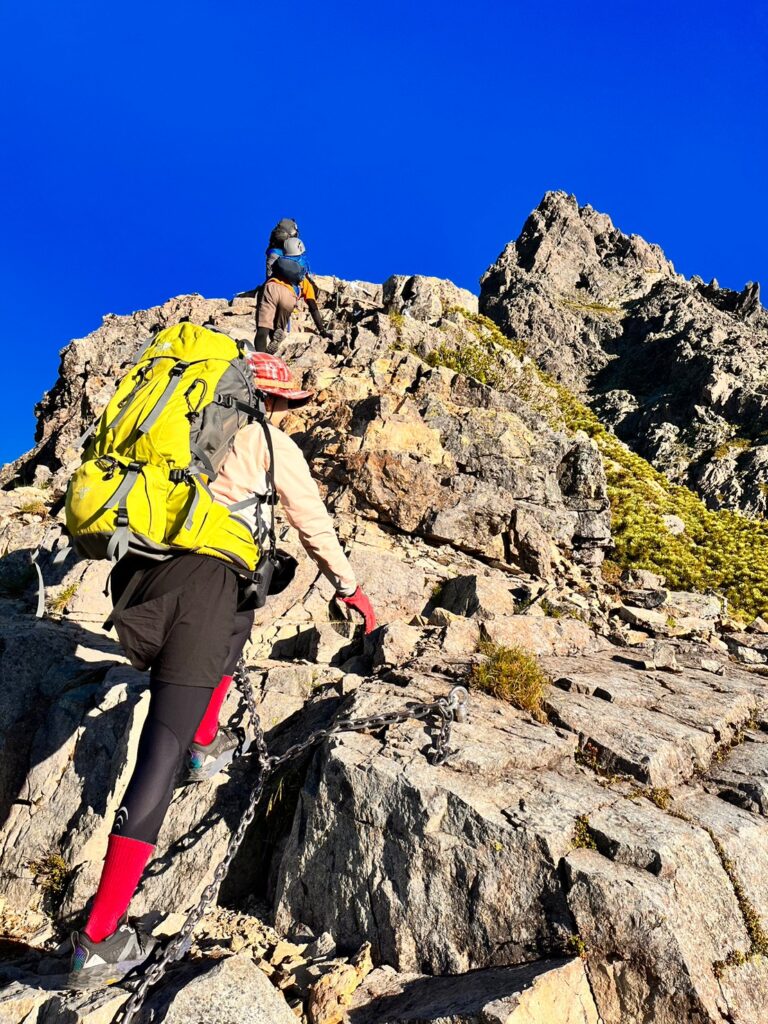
361,604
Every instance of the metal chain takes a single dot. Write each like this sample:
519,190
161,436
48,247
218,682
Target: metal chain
243,684
447,709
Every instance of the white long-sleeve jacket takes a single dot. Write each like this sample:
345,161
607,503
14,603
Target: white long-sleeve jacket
244,473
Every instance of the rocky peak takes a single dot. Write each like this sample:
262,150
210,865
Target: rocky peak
579,251
675,367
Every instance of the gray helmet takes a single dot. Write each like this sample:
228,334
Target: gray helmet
294,247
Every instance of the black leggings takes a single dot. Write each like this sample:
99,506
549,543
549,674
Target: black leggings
172,720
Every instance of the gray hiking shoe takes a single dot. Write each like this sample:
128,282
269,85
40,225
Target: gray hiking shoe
205,760
105,962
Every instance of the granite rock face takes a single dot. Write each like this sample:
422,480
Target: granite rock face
538,838
675,366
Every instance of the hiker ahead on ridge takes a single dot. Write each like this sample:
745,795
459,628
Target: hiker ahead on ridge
287,282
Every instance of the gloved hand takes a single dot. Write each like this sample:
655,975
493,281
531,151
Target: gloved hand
317,320
262,340
359,601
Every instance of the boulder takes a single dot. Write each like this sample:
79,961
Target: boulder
460,638
545,992
673,524
397,589
332,643
656,955
432,872
742,777
425,298
646,580
683,604
232,991
539,634
644,618
394,644
532,548
478,597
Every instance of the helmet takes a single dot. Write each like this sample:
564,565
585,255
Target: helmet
272,376
294,247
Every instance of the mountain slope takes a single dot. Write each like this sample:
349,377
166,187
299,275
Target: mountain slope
594,850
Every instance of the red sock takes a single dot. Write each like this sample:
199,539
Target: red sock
123,867
209,723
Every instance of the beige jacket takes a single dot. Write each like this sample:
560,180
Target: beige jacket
244,473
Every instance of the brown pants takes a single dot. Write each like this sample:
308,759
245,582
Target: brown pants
277,303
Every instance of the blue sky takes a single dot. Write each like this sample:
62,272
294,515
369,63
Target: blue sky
148,148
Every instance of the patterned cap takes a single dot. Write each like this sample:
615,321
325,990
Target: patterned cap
271,375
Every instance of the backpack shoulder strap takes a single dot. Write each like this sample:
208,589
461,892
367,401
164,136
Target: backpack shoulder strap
272,496
261,418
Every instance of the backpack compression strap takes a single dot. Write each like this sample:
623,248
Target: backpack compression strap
120,539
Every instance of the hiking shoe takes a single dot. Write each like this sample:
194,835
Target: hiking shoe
105,962
205,760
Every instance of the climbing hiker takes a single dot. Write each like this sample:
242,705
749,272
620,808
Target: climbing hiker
249,468
179,616
281,232
279,295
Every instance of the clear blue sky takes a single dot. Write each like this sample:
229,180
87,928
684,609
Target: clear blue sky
149,147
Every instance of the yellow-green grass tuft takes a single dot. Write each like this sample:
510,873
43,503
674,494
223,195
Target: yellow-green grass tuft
513,675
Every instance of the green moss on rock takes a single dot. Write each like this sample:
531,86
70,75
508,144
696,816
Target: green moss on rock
722,551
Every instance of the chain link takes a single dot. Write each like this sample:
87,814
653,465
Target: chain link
447,709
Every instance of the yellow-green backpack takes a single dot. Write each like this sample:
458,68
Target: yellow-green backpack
141,487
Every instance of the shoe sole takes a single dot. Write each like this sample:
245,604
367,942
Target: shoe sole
221,762
101,977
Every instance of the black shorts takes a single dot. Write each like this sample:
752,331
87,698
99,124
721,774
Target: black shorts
241,630
179,619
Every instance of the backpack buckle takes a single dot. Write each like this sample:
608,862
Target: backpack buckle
227,401
122,517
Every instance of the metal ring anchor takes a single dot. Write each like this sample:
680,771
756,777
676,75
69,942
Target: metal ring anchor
458,700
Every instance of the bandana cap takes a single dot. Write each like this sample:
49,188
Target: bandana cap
272,376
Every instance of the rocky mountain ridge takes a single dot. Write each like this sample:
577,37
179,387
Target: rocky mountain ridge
594,853
678,368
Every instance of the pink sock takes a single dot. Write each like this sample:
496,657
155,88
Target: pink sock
209,723
123,867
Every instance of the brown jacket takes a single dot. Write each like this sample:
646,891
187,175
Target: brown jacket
244,473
